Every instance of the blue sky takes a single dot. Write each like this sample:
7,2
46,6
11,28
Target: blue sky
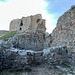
51,10
58,7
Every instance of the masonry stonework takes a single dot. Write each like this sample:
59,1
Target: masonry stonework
64,33
33,23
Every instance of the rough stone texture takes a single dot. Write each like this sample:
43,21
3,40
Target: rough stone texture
18,59
28,40
30,33
14,25
1,42
44,69
64,33
48,40
31,45
28,23
55,55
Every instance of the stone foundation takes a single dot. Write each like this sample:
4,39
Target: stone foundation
19,59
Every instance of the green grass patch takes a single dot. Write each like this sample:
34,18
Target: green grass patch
28,69
67,64
19,70
7,35
11,70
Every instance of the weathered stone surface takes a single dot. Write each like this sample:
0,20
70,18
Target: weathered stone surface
33,46
28,23
48,40
14,25
28,41
44,69
18,59
55,55
64,33
1,42
30,33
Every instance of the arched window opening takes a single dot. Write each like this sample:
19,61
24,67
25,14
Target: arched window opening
37,20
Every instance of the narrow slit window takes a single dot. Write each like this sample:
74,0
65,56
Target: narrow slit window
21,24
20,28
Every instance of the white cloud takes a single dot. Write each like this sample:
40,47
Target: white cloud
18,8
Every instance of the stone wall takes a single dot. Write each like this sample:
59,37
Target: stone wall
64,33
30,40
54,48
34,23
14,58
14,25
31,33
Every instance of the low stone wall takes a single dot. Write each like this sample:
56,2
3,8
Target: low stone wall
55,55
19,59
30,40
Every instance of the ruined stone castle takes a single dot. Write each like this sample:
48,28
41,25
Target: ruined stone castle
63,34
31,32
33,45
33,23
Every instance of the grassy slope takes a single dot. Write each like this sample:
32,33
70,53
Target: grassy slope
7,35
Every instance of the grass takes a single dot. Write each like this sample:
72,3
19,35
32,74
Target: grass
67,64
7,35
19,70
28,69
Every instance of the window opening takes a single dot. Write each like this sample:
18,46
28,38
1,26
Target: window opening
21,23
20,28
37,20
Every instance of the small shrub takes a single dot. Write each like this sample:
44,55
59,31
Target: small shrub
66,51
11,71
67,64
18,70
28,69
